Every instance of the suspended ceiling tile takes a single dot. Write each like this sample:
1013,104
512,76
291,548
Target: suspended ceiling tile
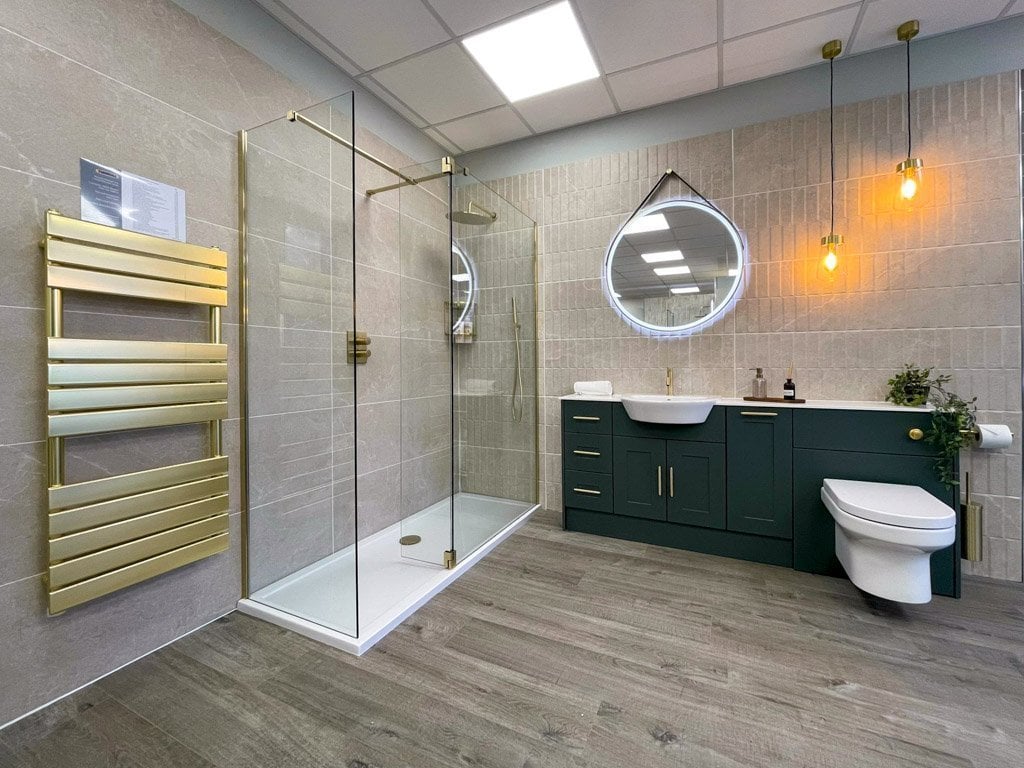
666,80
567,106
284,14
1017,7
372,33
465,16
878,27
743,16
443,140
496,126
381,93
441,85
627,34
785,48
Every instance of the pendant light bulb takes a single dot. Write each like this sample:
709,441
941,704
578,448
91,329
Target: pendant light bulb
831,242
909,171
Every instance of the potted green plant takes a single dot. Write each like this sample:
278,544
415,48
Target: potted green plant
953,418
912,385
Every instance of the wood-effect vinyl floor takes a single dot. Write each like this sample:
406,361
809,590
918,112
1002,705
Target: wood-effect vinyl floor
563,650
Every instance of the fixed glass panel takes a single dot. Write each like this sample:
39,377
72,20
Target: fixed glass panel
300,386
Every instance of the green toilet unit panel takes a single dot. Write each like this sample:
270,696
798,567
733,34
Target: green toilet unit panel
639,477
814,542
760,471
696,483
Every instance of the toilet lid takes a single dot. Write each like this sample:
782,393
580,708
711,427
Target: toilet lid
907,506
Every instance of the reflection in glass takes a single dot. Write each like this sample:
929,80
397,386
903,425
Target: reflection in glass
674,266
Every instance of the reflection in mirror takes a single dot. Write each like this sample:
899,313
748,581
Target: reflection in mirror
464,286
674,266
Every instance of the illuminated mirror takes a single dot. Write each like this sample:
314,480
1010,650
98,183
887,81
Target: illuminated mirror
674,266
463,291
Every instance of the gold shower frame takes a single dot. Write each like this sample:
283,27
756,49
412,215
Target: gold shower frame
113,532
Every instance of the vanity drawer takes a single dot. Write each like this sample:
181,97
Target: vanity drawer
587,453
862,431
587,416
587,490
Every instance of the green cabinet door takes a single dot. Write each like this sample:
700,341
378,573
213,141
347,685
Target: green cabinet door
639,477
696,483
759,468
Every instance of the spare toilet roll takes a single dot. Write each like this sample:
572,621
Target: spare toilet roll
994,436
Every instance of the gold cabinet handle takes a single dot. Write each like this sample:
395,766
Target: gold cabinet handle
916,433
578,452
659,480
758,413
588,491
586,418
671,482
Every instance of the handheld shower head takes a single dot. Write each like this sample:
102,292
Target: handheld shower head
474,214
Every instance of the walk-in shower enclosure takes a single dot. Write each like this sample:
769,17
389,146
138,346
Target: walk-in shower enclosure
372,480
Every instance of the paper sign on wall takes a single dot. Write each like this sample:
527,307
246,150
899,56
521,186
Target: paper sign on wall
120,199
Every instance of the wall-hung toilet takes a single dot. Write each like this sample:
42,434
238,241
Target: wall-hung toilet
885,535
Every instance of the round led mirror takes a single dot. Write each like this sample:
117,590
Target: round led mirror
674,266
463,289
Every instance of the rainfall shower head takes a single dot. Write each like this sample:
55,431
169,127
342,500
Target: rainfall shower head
474,214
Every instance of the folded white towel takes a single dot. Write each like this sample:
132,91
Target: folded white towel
592,387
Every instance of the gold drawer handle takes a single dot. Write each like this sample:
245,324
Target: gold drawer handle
586,418
915,434
659,480
758,413
578,452
671,482
587,491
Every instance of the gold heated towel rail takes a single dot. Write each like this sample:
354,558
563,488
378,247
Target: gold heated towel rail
113,532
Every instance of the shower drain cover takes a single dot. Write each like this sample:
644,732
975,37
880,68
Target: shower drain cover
408,540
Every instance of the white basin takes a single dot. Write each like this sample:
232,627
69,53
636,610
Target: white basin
668,409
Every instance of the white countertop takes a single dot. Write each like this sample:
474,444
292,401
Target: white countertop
838,405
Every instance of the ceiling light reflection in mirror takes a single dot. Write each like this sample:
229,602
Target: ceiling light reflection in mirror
674,267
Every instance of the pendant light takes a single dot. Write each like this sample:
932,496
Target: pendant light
909,170
831,242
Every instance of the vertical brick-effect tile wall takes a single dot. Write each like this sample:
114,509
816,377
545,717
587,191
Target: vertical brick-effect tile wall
936,283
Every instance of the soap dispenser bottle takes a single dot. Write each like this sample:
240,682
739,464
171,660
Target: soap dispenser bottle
759,386
789,388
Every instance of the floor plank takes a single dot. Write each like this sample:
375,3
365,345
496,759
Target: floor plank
565,650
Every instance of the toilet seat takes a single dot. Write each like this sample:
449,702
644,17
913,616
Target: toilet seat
904,506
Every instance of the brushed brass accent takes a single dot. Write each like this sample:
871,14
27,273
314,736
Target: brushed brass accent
93,539
95,374
587,491
668,381
586,418
831,49
92,491
758,413
150,351
82,518
832,239
92,398
408,541
579,452
915,433
97,563
358,343
671,482
972,547
910,162
96,422
908,30
407,182
82,256
76,594
449,559
67,228
659,480
138,287
243,361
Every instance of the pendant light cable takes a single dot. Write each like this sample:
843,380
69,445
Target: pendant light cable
831,150
910,132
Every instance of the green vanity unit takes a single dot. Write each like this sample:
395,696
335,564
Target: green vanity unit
746,482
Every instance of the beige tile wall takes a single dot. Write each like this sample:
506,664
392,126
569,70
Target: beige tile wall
936,283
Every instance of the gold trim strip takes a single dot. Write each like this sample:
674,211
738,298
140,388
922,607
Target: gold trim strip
82,518
68,597
123,350
92,491
58,225
83,542
99,259
95,374
137,287
95,422
588,491
98,563
94,398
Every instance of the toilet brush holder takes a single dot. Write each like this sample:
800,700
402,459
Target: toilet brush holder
971,547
